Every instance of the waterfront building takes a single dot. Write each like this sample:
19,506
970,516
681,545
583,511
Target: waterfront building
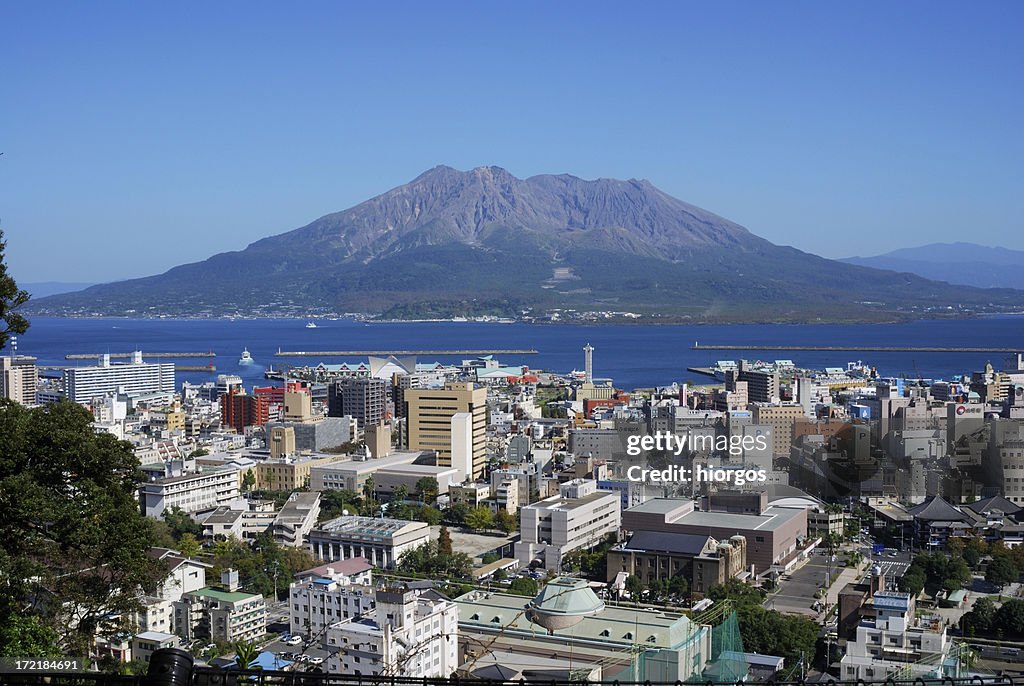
136,379
19,377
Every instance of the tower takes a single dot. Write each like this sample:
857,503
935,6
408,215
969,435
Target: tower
588,363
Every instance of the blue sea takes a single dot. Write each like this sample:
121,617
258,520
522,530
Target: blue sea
633,356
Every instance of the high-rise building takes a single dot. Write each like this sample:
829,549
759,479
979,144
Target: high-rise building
588,363
135,378
239,410
430,413
18,379
364,398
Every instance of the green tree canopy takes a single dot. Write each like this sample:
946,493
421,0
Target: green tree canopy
505,522
480,518
523,585
1001,571
73,544
11,299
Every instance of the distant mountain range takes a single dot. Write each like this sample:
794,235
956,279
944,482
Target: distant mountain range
41,289
454,243
968,264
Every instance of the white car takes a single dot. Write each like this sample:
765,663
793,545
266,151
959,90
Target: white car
316,660
294,641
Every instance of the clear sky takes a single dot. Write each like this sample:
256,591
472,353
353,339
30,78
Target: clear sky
137,136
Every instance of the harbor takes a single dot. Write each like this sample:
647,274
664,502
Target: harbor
856,348
400,353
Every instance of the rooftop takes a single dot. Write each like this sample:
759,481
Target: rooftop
656,541
226,596
615,626
367,526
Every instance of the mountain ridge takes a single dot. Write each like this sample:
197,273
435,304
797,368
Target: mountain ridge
483,240
962,263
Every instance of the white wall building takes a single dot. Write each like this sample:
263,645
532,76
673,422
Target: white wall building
381,541
412,633
896,641
329,593
191,492
579,517
135,378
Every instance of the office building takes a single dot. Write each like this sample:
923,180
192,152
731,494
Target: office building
779,420
287,473
430,424
381,541
352,475
773,534
296,519
135,379
364,398
18,379
579,517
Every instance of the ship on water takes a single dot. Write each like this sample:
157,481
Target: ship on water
246,358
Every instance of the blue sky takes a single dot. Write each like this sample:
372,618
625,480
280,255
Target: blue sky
137,136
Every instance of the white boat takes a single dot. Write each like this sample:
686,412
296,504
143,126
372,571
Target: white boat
246,358
311,325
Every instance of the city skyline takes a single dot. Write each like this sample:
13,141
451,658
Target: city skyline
836,130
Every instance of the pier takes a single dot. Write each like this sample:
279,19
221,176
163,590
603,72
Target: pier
858,348
178,368
399,353
128,356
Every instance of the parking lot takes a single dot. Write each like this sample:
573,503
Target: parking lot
286,654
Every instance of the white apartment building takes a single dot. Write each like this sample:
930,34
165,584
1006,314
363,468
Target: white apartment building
411,633
580,516
329,593
135,378
896,641
221,615
206,490
381,541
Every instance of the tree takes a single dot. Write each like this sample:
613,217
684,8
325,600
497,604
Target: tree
505,521
1010,617
72,530
523,585
246,653
444,541
480,518
181,524
634,587
913,581
457,513
249,480
429,514
189,545
980,618
27,635
426,487
11,298
1001,571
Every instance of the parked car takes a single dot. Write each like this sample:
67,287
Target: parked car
316,660
294,641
